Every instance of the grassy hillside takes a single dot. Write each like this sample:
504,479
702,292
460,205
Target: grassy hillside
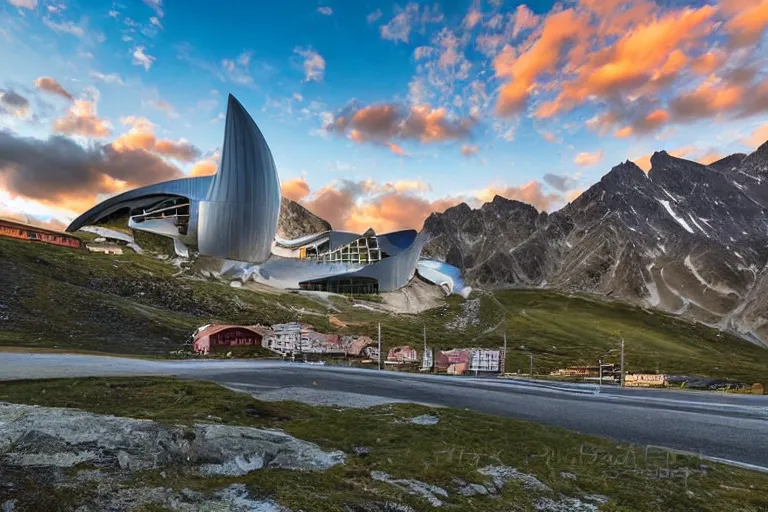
59,298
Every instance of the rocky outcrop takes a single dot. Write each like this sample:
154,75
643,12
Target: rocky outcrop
295,221
32,436
685,238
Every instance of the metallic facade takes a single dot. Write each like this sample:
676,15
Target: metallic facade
238,218
233,215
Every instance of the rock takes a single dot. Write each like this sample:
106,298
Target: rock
53,437
425,419
361,451
234,498
414,487
236,451
377,506
9,506
469,489
568,476
564,504
500,475
295,221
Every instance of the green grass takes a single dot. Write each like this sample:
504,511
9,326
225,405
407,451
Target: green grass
60,298
457,446
561,330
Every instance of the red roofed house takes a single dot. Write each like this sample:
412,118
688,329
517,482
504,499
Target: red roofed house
403,354
212,338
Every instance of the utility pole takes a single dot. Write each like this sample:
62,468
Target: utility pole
600,365
503,365
531,354
379,345
424,357
621,377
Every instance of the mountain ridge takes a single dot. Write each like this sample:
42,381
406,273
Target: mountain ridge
685,238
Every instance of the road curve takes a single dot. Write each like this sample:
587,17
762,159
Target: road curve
731,427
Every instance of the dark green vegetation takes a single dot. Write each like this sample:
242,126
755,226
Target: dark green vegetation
53,297
462,442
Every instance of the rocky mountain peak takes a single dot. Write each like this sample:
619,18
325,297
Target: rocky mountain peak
295,221
756,164
501,204
728,163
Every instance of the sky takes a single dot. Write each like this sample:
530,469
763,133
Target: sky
377,113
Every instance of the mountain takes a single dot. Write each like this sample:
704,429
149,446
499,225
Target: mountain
294,220
684,238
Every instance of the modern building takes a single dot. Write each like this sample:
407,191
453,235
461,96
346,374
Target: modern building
231,215
343,262
22,231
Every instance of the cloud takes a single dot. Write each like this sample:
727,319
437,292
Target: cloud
560,182
585,159
758,137
295,189
237,70
314,64
384,122
157,6
82,119
398,29
640,64
374,16
530,193
13,104
112,78
524,20
64,27
706,101
164,107
749,21
325,10
141,135
142,59
469,150
472,18
710,157
396,149
390,206
59,171
204,167
155,22
24,4
48,84
542,57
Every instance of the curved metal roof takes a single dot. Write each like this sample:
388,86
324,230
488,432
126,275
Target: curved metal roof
194,189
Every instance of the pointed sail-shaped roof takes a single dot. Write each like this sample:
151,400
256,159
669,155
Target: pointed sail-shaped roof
246,161
238,218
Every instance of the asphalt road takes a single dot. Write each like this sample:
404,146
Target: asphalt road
714,425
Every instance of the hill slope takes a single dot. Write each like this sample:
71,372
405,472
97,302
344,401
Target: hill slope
55,297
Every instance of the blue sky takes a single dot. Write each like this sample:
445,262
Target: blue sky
376,112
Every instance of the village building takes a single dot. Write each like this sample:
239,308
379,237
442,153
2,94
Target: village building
213,338
28,232
400,355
